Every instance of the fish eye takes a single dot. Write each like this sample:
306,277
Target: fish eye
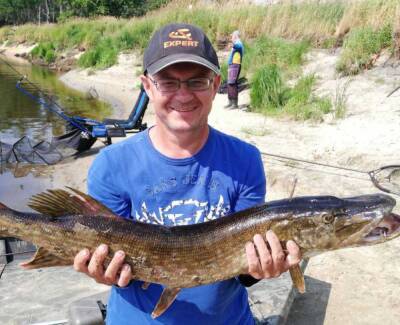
328,218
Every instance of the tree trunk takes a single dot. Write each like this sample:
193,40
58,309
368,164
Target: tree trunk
47,11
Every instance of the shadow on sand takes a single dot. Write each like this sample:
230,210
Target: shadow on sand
310,308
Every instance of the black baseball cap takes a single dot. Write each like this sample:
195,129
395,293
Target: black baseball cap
176,43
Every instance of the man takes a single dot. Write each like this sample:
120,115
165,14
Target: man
181,171
234,66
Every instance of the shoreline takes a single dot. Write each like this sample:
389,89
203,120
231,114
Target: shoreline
117,85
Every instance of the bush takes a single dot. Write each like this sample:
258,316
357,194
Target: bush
103,55
268,92
45,51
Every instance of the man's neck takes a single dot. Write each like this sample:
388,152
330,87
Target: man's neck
178,145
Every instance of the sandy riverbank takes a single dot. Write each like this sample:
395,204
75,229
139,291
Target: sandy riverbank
354,286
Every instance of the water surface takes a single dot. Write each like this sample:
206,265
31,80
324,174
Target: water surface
22,116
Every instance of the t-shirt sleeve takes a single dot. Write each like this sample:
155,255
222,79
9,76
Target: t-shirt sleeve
101,186
252,189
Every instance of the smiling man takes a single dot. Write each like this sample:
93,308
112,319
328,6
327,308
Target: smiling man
181,171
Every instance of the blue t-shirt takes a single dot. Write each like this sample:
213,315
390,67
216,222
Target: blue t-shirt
137,182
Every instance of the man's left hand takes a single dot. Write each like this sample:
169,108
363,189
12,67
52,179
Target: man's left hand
266,257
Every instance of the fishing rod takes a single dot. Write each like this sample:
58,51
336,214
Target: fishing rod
43,102
392,170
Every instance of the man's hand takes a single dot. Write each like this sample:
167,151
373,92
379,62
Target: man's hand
117,272
270,262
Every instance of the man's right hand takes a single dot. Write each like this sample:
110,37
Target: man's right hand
117,272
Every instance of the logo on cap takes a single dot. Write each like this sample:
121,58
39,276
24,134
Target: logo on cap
183,33
183,37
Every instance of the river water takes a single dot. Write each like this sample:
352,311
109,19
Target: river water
22,116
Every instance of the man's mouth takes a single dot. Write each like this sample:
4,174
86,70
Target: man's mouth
184,109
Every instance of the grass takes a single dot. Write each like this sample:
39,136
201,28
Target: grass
103,55
302,104
269,95
359,47
341,96
268,92
45,51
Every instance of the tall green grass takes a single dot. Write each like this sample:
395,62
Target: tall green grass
302,104
359,46
271,96
268,92
103,55
45,51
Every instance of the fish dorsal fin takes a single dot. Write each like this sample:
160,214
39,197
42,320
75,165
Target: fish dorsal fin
61,202
43,258
167,298
297,278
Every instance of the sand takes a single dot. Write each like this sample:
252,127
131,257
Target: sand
353,286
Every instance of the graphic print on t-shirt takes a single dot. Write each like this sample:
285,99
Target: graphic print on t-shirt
183,212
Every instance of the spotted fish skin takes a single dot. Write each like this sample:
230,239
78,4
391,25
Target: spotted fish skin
187,256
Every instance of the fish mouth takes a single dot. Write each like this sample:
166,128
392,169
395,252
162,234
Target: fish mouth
387,228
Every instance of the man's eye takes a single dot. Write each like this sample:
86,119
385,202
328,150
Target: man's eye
197,83
167,83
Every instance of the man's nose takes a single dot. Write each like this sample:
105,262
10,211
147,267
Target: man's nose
184,93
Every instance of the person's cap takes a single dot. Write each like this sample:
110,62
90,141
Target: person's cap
175,43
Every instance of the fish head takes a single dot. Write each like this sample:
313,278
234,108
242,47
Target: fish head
328,223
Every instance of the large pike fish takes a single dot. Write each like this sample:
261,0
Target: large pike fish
187,256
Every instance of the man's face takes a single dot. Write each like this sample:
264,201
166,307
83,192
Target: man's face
183,110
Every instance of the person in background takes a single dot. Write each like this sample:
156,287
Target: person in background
234,66
181,171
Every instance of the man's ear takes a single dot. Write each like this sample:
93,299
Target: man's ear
147,86
216,84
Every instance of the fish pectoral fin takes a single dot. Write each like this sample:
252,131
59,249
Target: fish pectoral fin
167,298
43,258
60,202
297,278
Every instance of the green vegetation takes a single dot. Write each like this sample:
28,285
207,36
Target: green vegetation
276,38
102,55
359,47
302,104
270,96
45,51
39,11
340,101
287,55
267,89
